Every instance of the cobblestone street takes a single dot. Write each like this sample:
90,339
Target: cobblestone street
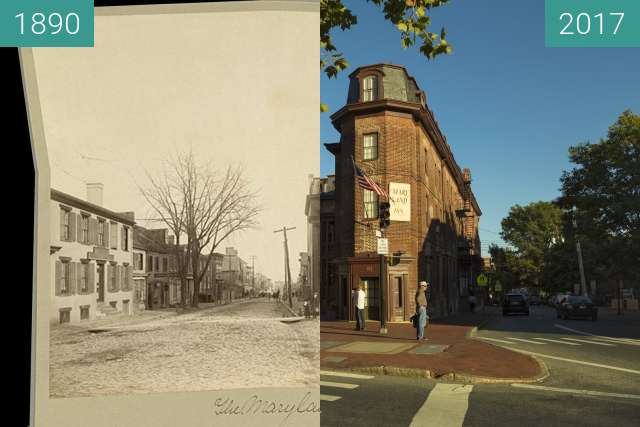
240,345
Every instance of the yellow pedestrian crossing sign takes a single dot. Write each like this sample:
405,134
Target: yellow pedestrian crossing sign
482,280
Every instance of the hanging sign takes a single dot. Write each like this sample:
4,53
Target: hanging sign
400,201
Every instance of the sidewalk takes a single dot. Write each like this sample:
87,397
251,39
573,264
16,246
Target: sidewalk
448,352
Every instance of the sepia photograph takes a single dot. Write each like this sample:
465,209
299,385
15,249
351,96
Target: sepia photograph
182,225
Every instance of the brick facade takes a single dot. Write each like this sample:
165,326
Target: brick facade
440,243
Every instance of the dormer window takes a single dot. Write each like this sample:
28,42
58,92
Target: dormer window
369,88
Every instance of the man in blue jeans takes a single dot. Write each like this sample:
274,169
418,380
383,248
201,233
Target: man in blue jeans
358,301
421,309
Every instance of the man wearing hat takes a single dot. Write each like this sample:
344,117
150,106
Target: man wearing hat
421,309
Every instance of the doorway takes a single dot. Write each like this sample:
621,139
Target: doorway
372,300
398,296
100,282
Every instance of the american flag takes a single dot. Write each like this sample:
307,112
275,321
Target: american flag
365,182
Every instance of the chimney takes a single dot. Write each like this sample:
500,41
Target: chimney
94,193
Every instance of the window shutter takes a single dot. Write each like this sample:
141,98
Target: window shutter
93,231
113,229
79,228
72,278
79,270
91,278
106,230
109,275
118,277
62,212
58,277
72,226
122,233
129,277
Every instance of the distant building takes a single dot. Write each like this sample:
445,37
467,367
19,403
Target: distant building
233,274
312,211
91,252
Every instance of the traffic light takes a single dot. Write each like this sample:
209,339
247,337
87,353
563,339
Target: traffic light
384,214
395,258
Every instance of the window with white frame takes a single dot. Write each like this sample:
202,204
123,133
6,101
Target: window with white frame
84,228
370,204
370,88
370,146
84,277
65,277
66,224
101,225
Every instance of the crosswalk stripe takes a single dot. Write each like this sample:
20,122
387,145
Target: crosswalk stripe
496,340
446,406
529,341
347,375
580,362
558,341
598,337
338,385
329,398
572,391
590,342
614,340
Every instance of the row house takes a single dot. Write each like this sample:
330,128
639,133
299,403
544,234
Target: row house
387,128
91,258
156,267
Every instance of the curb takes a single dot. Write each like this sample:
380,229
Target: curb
288,308
473,331
451,376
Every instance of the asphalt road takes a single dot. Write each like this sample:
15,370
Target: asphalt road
594,381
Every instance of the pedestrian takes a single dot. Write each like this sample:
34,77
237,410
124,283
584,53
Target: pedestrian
472,301
421,309
307,313
358,302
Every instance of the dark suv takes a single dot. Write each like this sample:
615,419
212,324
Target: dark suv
514,303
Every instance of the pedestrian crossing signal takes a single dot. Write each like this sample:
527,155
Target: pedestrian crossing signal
384,214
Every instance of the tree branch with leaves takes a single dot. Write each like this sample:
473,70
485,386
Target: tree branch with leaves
410,17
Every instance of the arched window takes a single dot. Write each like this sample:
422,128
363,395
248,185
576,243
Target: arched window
370,88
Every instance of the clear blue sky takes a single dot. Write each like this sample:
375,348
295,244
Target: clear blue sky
510,107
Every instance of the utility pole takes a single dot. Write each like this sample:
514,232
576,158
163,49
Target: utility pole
287,270
583,283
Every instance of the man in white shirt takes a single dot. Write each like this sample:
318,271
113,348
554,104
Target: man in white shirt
358,301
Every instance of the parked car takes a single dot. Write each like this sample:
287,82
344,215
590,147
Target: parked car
577,306
558,298
535,300
514,303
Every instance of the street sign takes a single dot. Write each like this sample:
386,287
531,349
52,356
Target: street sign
482,280
383,246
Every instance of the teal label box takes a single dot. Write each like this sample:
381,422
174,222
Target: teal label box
46,23
592,23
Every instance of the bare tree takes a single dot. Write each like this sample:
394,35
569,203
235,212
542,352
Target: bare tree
205,207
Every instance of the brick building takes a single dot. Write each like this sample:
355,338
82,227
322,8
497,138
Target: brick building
388,129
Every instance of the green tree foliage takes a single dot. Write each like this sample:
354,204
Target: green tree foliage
531,230
604,188
408,16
